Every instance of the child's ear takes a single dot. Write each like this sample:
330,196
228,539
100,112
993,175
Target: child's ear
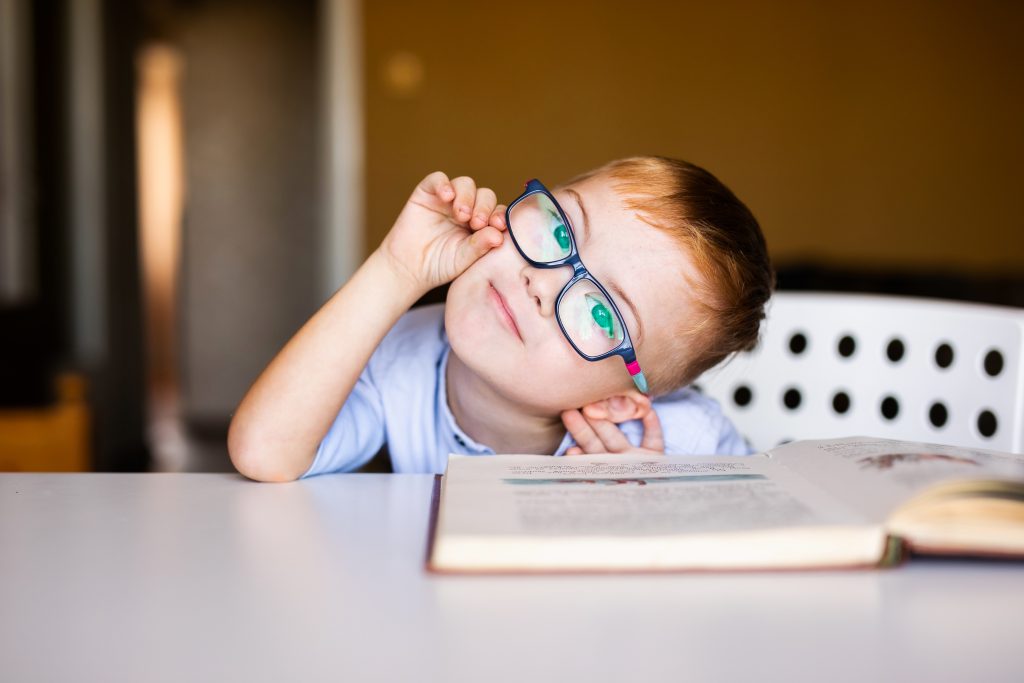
626,405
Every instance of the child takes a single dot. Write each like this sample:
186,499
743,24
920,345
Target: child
677,275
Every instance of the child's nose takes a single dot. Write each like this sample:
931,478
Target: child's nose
543,285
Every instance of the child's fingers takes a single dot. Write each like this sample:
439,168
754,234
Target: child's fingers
437,185
653,437
478,244
609,433
575,450
465,198
581,430
485,201
497,218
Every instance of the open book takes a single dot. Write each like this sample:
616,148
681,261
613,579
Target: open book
852,502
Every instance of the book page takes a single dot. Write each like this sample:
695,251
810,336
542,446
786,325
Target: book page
878,475
624,495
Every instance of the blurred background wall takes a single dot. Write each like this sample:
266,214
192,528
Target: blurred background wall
185,181
866,134
248,265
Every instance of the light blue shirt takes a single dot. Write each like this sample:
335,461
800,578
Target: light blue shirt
401,398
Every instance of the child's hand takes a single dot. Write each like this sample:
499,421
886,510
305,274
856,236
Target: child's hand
596,434
444,228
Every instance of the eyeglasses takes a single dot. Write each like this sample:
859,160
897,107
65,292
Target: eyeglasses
586,314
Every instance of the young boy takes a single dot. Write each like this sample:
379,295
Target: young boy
670,275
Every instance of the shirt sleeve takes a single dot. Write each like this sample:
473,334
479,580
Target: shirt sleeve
730,441
692,425
357,432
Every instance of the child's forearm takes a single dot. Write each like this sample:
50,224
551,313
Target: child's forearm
444,227
275,432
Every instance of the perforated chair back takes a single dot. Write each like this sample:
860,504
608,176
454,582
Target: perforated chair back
832,365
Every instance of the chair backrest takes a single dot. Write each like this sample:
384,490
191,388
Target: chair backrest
832,365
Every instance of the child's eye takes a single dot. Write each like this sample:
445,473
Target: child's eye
562,237
602,315
560,232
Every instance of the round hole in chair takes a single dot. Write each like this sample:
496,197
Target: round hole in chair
993,363
944,355
938,414
798,343
792,398
890,407
698,388
742,396
987,423
847,345
840,402
895,350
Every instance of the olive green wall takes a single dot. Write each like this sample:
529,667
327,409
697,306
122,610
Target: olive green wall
865,133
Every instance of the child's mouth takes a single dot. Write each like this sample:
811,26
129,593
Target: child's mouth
503,311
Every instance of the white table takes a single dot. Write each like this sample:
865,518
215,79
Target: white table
209,577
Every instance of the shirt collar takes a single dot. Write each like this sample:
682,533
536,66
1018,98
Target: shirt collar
448,419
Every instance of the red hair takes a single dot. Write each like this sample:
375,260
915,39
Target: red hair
728,249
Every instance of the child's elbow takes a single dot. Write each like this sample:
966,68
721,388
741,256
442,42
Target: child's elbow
256,461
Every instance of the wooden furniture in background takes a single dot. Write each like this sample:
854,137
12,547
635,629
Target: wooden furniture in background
50,439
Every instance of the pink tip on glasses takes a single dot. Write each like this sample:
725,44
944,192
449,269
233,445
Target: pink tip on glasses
638,376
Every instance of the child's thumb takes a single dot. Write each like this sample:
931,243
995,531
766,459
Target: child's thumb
478,244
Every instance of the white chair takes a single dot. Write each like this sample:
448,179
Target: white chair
831,365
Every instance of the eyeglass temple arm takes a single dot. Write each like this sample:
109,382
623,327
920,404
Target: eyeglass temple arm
638,376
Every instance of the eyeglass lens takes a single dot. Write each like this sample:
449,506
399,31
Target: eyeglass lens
539,230
589,319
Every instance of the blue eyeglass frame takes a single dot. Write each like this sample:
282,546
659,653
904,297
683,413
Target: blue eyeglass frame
579,272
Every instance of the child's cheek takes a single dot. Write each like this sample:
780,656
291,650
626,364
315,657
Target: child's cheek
494,261
563,362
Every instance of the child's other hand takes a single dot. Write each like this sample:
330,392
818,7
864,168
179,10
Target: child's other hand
595,432
443,229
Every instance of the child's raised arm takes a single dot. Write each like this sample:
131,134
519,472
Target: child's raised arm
445,226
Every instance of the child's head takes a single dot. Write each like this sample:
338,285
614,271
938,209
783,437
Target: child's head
686,255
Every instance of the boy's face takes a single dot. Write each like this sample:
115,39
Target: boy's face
530,360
